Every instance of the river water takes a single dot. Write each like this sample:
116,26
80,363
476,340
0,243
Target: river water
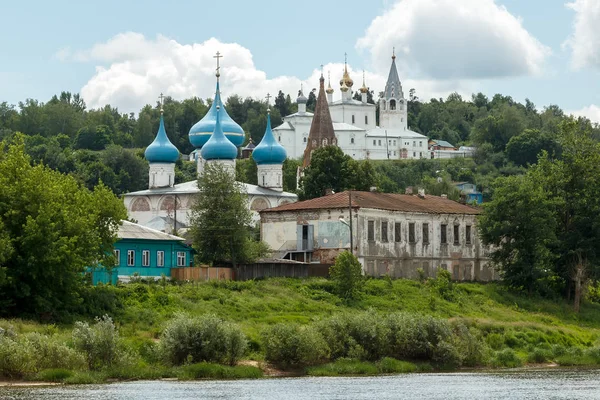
540,384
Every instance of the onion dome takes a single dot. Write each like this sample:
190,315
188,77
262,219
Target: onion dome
269,151
301,98
218,147
346,78
161,150
344,87
203,129
329,89
364,88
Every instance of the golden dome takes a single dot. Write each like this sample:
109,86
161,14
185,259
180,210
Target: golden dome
364,88
346,79
329,89
344,87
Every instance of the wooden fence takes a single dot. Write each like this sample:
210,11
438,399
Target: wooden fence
202,274
244,272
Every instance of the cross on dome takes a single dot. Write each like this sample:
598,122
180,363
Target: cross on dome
217,56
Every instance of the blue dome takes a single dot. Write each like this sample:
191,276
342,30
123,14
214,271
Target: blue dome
203,129
218,147
161,150
269,151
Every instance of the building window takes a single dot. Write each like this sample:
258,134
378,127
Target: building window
181,258
352,118
414,143
117,254
390,142
380,142
411,232
421,154
304,140
444,234
371,231
397,232
468,234
414,154
392,104
160,258
366,120
324,142
352,140
394,142
425,233
394,152
384,231
374,142
420,143
279,138
131,258
145,258
456,233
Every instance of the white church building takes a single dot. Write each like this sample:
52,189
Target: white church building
354,124
166,206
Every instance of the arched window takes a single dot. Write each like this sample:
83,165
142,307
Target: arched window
366,120
392,105
314,142
334,142
304,140
279,139
324,142
140,204
259,204
351,140
352,118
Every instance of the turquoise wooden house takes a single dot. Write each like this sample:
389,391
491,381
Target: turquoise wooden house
144,252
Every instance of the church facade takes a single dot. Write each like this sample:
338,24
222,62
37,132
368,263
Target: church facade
166,207
354,123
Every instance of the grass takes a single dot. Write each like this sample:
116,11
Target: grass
517,329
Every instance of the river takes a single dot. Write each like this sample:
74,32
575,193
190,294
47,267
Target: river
531,384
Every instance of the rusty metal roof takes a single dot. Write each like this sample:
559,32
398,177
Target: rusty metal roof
427,204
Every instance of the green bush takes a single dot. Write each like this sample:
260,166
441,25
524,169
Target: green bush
100,343
17,357
54,375
506,358
347,275
207,338
495,341
389,365
539,355
290,345
215,371
344,366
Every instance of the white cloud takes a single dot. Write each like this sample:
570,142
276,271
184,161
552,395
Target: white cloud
584,42
592,112
453,39
133,70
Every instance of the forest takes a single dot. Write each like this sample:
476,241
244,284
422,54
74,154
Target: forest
106,145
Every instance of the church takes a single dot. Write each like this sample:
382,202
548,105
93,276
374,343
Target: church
354,123
166,207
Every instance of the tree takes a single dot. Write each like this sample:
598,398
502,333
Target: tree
519,225
524,149
330,168
55,229
220,220
347,275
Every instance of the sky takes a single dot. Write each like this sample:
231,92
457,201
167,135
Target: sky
126,52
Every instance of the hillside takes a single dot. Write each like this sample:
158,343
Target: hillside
507,329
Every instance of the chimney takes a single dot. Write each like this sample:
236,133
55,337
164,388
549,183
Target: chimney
422,193
328,192
444,196
408,190
373,188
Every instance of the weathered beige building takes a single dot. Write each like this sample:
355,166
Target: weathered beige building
392,234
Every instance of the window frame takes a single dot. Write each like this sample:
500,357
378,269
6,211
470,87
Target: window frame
412,237
456,234
397,232
384,231
370,231
160,258
181,258
444,233
130,258
117,254
468,234
425,232
145,254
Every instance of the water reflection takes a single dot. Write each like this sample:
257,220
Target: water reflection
541,384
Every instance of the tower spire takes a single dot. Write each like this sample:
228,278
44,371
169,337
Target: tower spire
218,73
161,97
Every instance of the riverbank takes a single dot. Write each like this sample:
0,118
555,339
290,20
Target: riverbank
493,327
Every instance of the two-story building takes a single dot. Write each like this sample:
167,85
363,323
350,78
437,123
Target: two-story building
392,234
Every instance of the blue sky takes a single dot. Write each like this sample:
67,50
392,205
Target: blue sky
126,52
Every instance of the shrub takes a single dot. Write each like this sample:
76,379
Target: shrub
207,338
344,366
99,342
507,358
389,365
495,341
290,345
54,375
216,371
17,357
347,275
415,337
539,355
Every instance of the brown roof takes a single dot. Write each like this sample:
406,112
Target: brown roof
384,201
321,126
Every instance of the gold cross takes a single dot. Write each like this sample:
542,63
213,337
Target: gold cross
268,97
161,97
218,67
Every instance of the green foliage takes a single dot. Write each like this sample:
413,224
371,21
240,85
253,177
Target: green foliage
51,234
220,221
54,375
100,343
290,345
215,371
507,358
347,275
207,338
